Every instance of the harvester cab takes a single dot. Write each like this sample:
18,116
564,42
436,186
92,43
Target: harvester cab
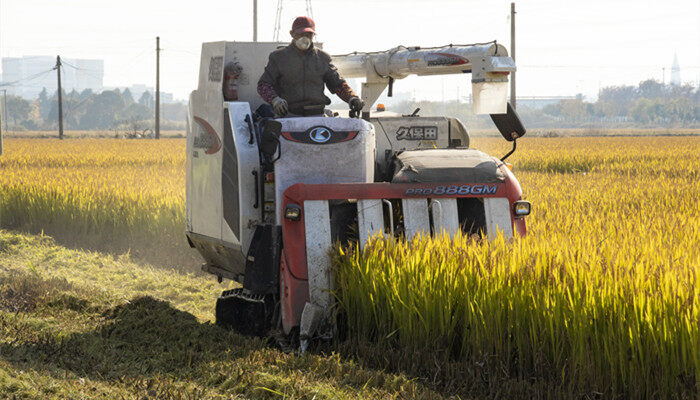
268,198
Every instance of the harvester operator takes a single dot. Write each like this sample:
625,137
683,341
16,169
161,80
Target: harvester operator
295,75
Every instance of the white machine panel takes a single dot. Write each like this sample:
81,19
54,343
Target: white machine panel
497,211
318,243
415,217
350,161
204,157
246,154
205,137
252,57
370,219
445,216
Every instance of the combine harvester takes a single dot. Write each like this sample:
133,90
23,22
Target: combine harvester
267,198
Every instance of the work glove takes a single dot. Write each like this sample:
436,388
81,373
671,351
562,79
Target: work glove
356,104
280,106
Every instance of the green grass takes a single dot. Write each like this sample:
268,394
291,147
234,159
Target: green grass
85,325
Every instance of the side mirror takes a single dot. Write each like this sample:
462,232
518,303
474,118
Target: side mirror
270,137
509,124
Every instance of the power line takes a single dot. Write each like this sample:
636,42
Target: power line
37,75
85,70
172,46
74,107
179,51
130,63
82,70
70,65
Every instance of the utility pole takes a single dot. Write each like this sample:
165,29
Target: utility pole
60,98
4,109
157,87
3,117
512,53
255,20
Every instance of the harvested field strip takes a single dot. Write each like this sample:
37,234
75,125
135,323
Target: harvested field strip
85,325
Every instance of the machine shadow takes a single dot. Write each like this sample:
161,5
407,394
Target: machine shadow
147,339
142,338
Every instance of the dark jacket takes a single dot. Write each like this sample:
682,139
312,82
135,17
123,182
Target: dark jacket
298,76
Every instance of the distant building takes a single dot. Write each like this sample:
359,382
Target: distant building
34,73
675,71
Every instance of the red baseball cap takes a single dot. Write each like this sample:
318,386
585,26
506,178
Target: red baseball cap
303,25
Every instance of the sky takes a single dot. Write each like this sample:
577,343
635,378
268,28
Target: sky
563,47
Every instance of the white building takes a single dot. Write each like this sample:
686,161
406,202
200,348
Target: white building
675,71
34,73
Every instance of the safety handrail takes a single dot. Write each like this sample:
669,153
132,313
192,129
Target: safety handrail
391,215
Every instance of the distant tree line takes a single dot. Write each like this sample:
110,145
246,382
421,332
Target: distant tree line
108,110
651,104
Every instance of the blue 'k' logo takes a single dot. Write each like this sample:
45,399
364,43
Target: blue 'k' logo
320,134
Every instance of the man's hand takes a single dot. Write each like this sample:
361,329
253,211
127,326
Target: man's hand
356,104
280,106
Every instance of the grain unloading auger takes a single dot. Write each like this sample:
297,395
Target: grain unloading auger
266,198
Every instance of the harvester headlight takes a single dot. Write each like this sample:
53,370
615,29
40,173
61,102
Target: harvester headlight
521,208
292,212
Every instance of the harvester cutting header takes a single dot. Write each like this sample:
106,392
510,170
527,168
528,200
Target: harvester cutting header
274,179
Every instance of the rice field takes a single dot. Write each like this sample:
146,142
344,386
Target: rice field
603,296
601,299
116,195
111,187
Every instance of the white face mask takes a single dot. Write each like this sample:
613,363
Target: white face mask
302,43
